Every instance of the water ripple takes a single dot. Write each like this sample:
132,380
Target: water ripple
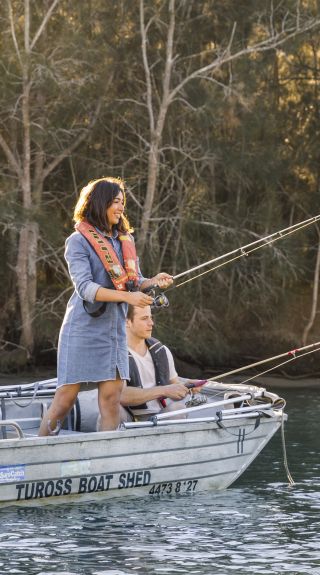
259,527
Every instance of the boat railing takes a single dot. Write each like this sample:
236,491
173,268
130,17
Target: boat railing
11,423
221,404
154,423
27,403
47,386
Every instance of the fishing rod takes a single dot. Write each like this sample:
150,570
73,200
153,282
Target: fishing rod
292,355
243,251
278,365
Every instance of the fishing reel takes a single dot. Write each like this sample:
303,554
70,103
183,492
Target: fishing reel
159,300
196,399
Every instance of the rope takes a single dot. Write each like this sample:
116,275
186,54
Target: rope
219,415
36,386
285,460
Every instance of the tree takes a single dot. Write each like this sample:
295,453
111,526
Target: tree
209,111
46,115
270,32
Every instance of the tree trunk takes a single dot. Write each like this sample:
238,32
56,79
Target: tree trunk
156,125
315,295
153,166
27,282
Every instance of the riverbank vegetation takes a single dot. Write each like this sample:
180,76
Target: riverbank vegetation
210,112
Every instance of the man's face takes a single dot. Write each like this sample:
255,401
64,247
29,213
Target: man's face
142,323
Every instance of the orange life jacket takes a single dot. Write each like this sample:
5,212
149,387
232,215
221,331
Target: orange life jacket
119,275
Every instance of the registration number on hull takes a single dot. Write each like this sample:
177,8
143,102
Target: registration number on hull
173,487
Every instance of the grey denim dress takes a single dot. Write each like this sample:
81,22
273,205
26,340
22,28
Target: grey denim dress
91,349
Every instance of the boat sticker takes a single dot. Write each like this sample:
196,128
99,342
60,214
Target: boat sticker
12,473
75,467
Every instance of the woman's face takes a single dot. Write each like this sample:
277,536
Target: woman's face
115,211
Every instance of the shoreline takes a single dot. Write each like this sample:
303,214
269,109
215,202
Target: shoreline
16,378
281,382
268,381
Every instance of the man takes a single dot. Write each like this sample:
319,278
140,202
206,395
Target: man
154,385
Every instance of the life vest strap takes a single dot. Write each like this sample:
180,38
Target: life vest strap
120,276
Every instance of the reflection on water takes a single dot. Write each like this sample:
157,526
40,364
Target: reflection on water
259,526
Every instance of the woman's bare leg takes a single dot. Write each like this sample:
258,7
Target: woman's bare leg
109,393
63,400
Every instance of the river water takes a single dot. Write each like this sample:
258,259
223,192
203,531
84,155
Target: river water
258,526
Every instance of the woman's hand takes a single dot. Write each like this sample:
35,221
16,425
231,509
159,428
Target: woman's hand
163,280
138,298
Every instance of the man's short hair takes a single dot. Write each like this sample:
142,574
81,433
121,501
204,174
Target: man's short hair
130,312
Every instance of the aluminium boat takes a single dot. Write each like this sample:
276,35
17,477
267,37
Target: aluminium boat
208,445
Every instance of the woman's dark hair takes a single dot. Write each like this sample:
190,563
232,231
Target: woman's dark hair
94,200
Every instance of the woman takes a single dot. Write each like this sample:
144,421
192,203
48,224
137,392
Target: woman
104,269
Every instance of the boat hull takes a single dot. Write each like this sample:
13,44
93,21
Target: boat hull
161,460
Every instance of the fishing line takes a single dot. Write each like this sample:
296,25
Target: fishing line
279,365
244,251
232,372
292,352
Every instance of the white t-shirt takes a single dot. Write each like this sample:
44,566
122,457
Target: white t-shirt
147,373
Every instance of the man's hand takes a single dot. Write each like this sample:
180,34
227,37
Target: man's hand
174,391
192,383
